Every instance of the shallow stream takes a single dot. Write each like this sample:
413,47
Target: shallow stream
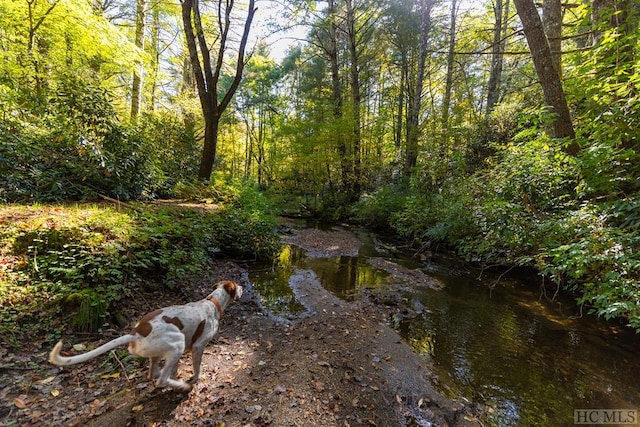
495,339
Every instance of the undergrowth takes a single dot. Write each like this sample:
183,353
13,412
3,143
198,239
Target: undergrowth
77,261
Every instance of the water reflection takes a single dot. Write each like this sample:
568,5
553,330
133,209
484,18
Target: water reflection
523,355
344,276
272,284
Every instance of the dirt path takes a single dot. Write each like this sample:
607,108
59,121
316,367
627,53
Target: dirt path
338,365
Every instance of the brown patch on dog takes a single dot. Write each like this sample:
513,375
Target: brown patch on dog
144,327
230,287
173,320
198,333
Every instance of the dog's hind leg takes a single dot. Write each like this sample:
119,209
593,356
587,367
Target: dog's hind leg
154,368
171,366
196,355
174,372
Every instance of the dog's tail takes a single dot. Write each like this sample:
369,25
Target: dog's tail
56,359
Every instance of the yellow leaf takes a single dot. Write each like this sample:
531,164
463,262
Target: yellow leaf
55,393
114,375
137,408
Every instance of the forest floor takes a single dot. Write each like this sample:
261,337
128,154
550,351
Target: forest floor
339,364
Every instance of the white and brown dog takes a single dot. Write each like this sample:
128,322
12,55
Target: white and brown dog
166,333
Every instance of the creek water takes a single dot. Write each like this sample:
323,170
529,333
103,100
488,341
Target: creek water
496,339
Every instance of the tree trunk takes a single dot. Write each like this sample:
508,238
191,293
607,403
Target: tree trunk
336,88
552,21
207,73
210,147
561,126
446,101
415,104
497,54
404,71
136,87
355,98
155,41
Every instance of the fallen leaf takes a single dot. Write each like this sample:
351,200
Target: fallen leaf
374,388
55,393
47,380
79,347
137,408
114,375
19,403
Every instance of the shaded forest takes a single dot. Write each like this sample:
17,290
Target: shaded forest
505,130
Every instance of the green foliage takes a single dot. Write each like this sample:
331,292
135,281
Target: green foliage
76,151
241,234
489,134
376,209
92,308
436,218
173,149
84,260
332,206
601,264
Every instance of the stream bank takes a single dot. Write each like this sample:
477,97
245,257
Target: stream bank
338,365
528,355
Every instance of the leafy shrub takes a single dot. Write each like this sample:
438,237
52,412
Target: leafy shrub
375,210
601,264
174,151
243,234
74,152
91,309
491,133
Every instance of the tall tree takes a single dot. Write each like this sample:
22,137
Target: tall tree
415,94
207,72
354,77
136,87
501,13
331,50
561,125
446,100
400,22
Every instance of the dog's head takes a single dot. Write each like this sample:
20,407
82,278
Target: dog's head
232,288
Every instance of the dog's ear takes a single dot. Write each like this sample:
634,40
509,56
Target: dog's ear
230,287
